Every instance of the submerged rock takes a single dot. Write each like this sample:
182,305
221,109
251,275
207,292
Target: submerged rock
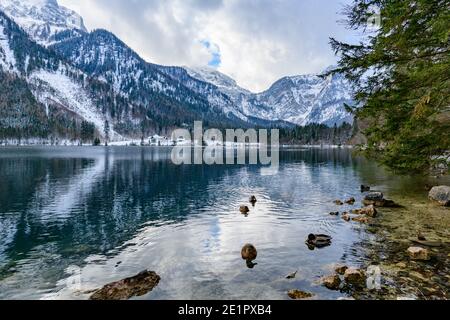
377,199
249,253
369,211
332,282
355,277
418,253
440,195
361,219
298,294
136,286
426,243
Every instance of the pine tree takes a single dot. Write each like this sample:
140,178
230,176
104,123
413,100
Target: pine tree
401,73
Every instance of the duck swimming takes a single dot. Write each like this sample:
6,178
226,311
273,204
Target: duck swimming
318,241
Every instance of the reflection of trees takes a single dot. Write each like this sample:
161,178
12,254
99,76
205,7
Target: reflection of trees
94,205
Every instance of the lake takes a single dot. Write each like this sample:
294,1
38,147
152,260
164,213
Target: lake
73,219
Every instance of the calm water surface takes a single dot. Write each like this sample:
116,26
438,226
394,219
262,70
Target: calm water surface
75,219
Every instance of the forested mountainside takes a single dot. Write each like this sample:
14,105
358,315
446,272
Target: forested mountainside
61,97
171,101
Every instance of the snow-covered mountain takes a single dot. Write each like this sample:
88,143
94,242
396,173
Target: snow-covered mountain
44,20
42,95
299,99
94,76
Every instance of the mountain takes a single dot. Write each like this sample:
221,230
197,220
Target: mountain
44,20
301,100
170,95
95,78
44,96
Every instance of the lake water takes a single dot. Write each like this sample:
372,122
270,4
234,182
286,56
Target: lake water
75,219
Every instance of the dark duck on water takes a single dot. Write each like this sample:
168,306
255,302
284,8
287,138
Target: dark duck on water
318,241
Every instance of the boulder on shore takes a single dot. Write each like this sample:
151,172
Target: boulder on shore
441,195
136,286
418,253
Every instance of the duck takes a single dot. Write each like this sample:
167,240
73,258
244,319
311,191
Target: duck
249,253
244,209
318,240
253,199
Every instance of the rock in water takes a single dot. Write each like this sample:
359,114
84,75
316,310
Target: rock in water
369,211
298,295
341,270
350,201
332,282
292,275
365,188
418,253
249,252
136,286
441,195
374,196
355,277
244,209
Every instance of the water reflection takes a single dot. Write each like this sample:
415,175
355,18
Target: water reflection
73,219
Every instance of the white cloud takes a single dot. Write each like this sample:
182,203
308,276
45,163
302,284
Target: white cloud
259,41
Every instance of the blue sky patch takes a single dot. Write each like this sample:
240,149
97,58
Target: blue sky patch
214,50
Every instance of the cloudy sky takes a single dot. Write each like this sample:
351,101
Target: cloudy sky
254,41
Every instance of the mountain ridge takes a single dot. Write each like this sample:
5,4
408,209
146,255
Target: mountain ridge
155,97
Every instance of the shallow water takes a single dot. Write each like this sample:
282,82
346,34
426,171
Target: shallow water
75,219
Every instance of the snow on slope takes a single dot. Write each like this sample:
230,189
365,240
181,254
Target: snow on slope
59,88
7,59
42,19
300,100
